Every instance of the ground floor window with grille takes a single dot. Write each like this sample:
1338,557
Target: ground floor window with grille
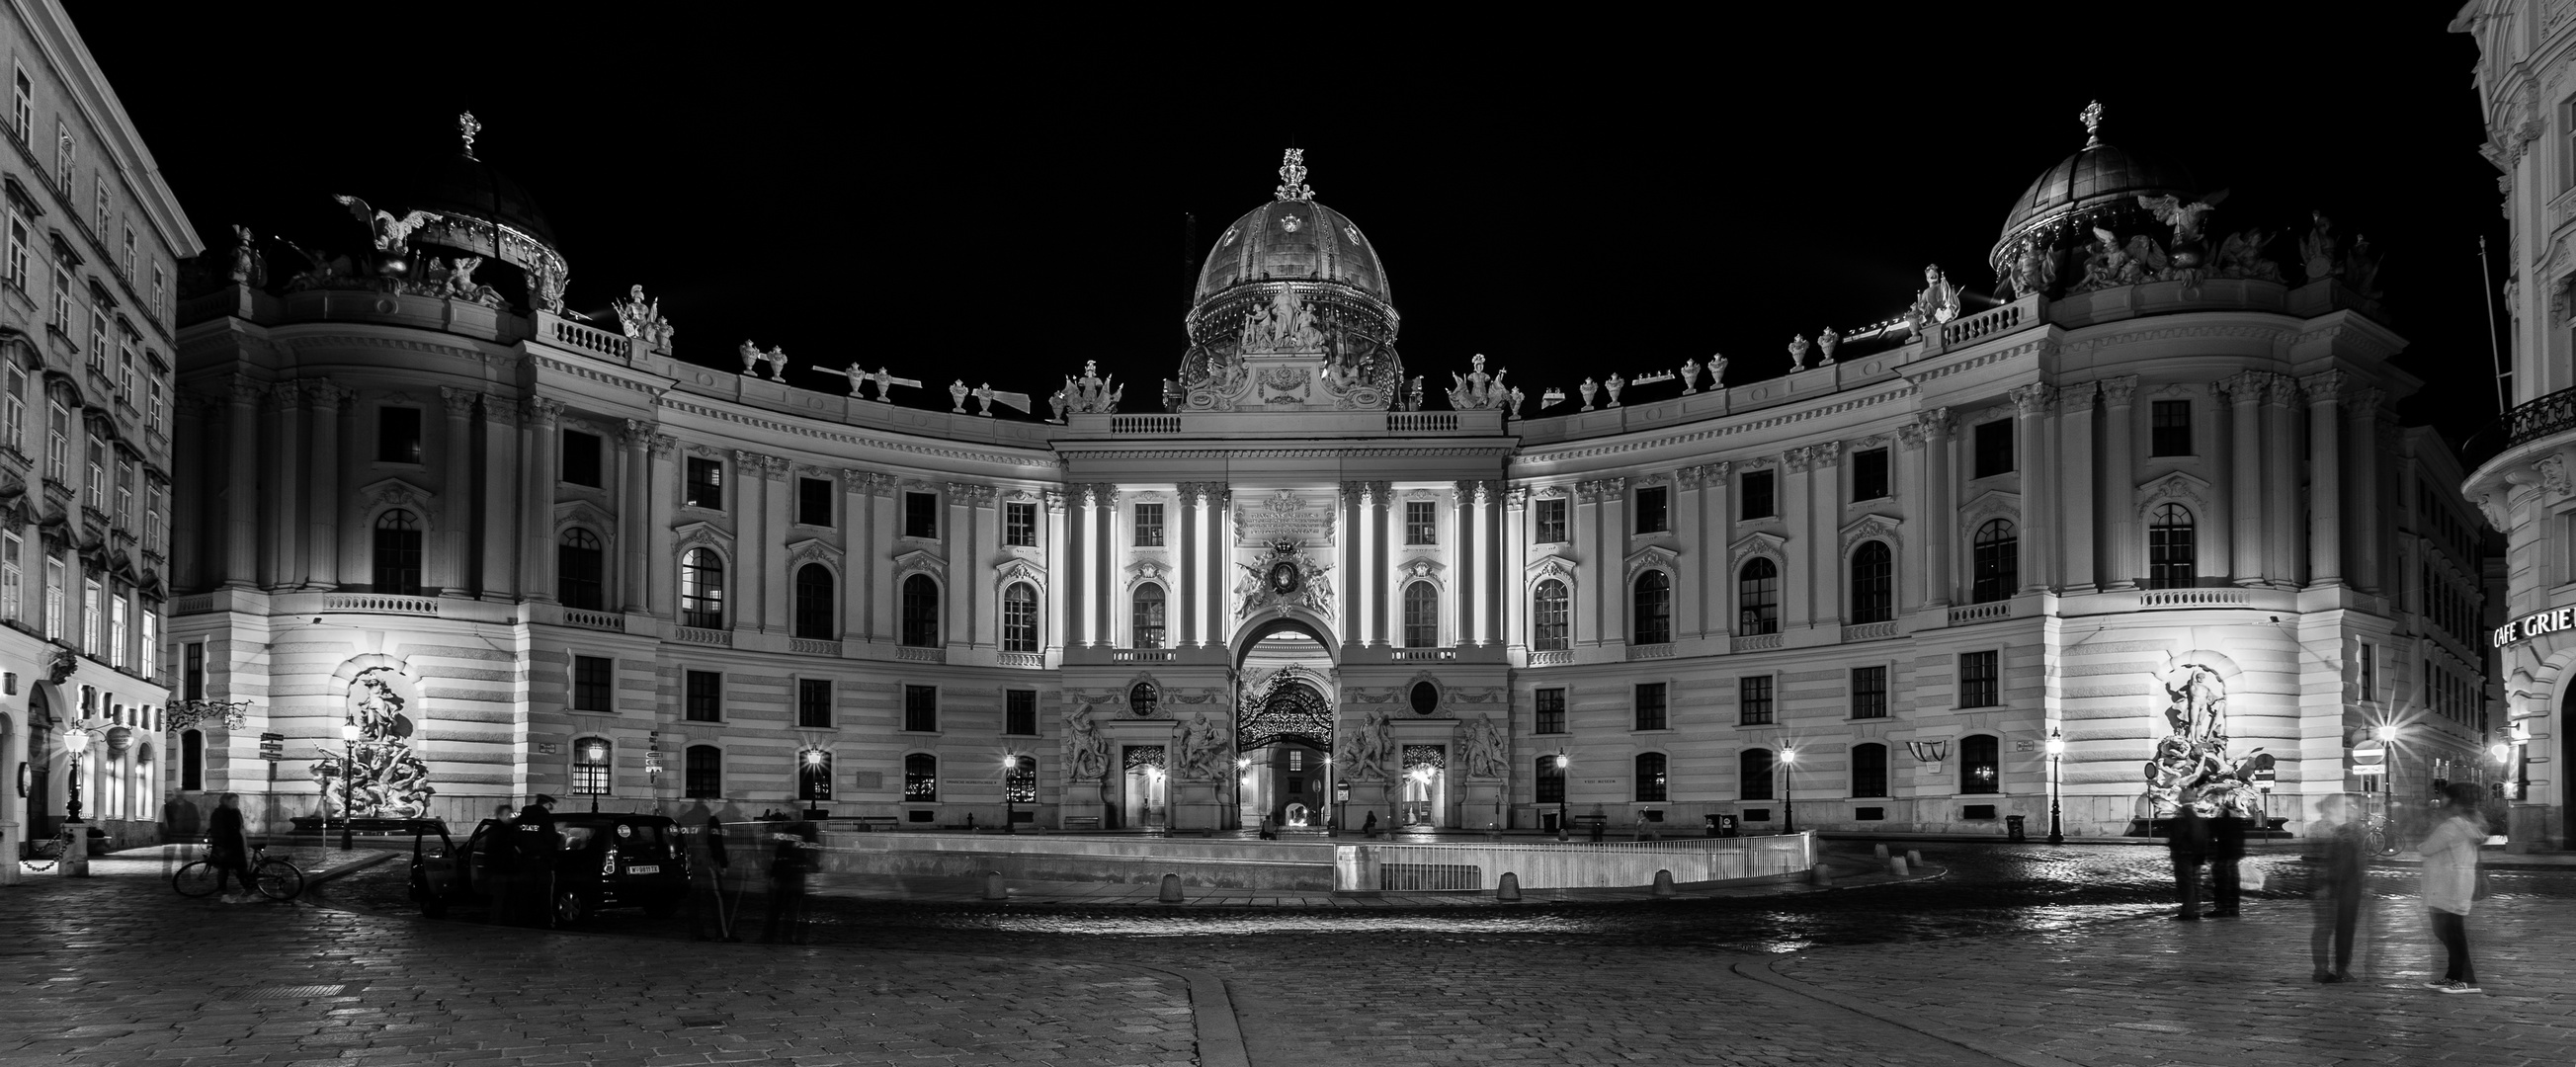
814,703
590,765
1980,764
1022,785
921,708
1650,776
702,774
1551,781
920,778
1753,774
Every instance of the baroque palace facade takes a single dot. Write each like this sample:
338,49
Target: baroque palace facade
2154,506
88,291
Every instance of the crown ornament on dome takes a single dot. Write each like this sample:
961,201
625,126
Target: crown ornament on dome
2091,117
1292,177
467,127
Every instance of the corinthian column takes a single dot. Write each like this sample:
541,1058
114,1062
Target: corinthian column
2039,524
2119,496
449,567
322,510
2281,482
1938,477
537,517
2245,477
2325,479
2361,412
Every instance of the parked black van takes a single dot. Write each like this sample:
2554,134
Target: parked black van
608,860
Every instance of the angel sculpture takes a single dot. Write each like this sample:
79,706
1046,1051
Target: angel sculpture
391,234
2241,256
2361,267
2184,218
2317,249
2033,269
322,272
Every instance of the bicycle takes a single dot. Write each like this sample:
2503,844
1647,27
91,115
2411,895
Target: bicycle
2379,837
43,855
276,878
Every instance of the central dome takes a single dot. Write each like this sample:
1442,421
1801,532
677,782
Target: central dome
2098,184
1292,240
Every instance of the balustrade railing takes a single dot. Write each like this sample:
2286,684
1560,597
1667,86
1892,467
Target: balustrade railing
596,620
381,604
1422,422
1024,660
1554,657
691,635
1869,631
807,646
1423,655
1141,655
921,655
575,335
1663,650
1970,613
2193,598
2552,414
1757,642
1145,424
1982,324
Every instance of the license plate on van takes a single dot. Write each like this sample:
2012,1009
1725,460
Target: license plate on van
649,868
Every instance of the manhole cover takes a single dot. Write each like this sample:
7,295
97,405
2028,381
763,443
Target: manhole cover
290,992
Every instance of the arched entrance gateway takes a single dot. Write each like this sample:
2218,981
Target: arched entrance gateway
1283,680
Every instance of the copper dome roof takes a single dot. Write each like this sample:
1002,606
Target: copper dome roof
460,184
1292,240
2095,176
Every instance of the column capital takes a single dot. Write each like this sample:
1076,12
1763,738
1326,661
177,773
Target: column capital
542,411
459,402
664,444
637,433
285,396
1936,424
1516,498
2034,399
319,393
1799,459
1828,454
2118,392
1054,501
2324,387
2364,402
1910,437
247,390
970,494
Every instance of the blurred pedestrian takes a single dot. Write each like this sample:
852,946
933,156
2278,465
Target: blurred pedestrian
228,849
2336,902
708,861
2450,882
2226,857
792,856
497,874
2187,840
1369,827
1267,834
539,846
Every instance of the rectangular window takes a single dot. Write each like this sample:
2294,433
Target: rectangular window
98,337
1020,525
1869,474
91,599
814,703
702,771
147,658
2369,670
1551,521
126,263
1421,522
125,342
152,407
703,700
1753,701
1654,512
1650,705
58,441
22,108
13,410
152,517
706,484
54,578
1758,499
1869,770
594,683
1994,448
12,576
63,300
1020,712
1149,525
814,501
921,515
1980,680
1551,710
192,680
98,474
63,156
99,203
160,293
397,435
1551,781
1869,693
921,708
2170,431
581,459
15,270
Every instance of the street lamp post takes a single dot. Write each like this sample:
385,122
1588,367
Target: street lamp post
76,742
1788,790
1562,830
2388,791
2056,750
1010,795
348,784
1242,777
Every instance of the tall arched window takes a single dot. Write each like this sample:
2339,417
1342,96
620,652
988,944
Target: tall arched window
1148,615
1654,604
1753,774
920,778
1549,628
1757,597
1873,583
1996,568
702,771
921,612
398,553
1980,764
1421,615
814,618
2172,556
1869,770
1020,618
702,589
580,568
1650,776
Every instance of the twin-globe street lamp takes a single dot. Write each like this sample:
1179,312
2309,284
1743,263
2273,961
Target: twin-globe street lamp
1562,833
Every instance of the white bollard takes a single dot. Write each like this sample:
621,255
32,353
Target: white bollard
1509,889
1896,866
1171,893
1882,850
993,887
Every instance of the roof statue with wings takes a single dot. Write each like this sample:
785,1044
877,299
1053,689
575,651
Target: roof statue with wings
2241,256
2033,268
2107,262
392,235
2184,218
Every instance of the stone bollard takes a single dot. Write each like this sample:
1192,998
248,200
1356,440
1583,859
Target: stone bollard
1509,889
1820,874
993,887
1896,866
1171,893
1914,856
1664,884
1882,850
75,863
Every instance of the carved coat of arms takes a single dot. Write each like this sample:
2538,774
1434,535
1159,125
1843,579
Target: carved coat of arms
1284,578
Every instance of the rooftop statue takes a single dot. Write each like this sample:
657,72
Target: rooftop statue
392,235
1475,390
1091,393
986,396
2033,269
1797,351
2108,263
641,320
1615,384
2361,267
1589,387
885,381
2317,249
546,287
777,358
1716,371
958,392
2241,256
751,357
1287,325
1937,303
2184,218
248,267
323,274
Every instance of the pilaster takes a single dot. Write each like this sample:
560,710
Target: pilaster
450,566
2118,504
2289,518
322,535
2245,476
2039,526
2076,478
2325,478
537,517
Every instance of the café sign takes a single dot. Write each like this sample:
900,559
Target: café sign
2552,621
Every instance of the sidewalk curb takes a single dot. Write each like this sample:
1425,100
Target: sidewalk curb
1220,1035
351,867
1762,971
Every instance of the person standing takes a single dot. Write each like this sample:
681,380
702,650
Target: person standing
2450,882
791,856
2336,903
2187,839
538,847
707,863
2226,852
228,849
498,873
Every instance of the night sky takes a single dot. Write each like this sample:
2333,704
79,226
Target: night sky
1001,200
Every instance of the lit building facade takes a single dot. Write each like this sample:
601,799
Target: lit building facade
88,290
2521,478
539,555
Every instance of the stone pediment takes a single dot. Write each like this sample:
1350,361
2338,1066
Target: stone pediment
688,535
1555,565
2179,488
1991,504
1649,558
920,560
581,513
397,493
812,550
1756,544
1874,526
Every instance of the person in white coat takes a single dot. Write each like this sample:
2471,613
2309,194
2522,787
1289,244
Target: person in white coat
2450,882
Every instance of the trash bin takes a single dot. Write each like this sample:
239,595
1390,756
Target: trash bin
2012,828
1721,825
1547,821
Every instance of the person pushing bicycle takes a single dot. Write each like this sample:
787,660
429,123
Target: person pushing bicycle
228,850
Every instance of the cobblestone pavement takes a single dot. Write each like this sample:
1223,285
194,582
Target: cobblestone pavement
2028,955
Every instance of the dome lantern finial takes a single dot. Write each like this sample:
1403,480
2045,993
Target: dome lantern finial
467,127
1292,177
2092,119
